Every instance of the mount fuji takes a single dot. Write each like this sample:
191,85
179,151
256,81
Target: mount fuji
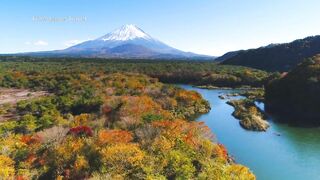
128,42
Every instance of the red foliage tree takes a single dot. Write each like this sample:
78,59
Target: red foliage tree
81,131
29,139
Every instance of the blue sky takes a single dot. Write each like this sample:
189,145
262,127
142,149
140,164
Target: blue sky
210,27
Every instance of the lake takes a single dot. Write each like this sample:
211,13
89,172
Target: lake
294,155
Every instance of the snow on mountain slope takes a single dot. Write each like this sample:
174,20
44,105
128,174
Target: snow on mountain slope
125,33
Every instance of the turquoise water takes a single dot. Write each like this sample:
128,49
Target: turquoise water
294,155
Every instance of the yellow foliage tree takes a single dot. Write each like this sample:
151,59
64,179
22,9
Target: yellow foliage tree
239,172
253,110
7,170
81,120
122,159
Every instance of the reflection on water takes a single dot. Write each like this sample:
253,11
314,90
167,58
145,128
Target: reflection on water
283,152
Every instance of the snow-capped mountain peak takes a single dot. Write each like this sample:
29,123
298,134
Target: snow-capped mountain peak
129,41
125,33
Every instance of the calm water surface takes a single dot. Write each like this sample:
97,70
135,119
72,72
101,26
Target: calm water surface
294,155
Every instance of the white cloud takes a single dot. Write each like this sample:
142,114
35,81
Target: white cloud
72,42
40,43
37,43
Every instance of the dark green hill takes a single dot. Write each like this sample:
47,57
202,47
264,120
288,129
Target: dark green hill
278,57
296,96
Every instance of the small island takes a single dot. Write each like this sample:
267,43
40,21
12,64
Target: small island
251,118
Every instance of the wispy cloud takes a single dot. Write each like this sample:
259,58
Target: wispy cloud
73,42
37,43
40,43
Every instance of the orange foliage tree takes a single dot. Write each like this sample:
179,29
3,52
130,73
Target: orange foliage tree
114,137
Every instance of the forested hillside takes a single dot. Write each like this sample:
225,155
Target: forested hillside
295,96
189,72
278,57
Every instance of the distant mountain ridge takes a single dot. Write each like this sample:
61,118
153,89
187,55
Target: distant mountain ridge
129,41
274,57
227,55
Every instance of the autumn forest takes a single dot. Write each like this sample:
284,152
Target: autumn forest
99,120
